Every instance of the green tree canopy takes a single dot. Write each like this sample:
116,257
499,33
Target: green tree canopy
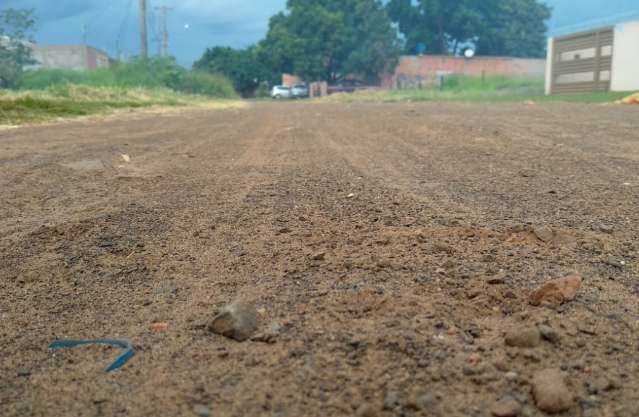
243,66
330,39
16,27
493,27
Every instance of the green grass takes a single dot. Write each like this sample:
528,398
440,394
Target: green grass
494,89
64,101
151,74
48,94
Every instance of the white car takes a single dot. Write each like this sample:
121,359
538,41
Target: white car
299,91
281,91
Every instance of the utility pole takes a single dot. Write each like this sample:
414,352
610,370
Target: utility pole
164,29
85,33
144,44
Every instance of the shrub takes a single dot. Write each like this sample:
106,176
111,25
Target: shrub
152,73
212,85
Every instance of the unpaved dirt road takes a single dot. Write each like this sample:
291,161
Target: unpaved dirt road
394,247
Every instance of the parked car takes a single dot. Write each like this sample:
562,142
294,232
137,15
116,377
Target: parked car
299,91
346,86
281,91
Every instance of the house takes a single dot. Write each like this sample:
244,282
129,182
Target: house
69,57
600,60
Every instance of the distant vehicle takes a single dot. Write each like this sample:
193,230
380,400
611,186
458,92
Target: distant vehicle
346,86
299,91
281,91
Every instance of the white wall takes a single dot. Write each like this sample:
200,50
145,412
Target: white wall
549,63
625,61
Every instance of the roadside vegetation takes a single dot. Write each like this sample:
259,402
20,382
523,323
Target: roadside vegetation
64,101
49,94
32,96
475,89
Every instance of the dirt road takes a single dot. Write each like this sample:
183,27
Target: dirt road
390,250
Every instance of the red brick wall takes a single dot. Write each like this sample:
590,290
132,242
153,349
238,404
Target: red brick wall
428,67
291,80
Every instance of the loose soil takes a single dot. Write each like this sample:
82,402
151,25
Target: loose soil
393,246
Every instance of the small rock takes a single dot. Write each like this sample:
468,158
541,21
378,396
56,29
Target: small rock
614,262
391,400
532,355
606,229
202,410
599,385
351,195
443,248
496,279
366,410
236,321
544,233
502,364
550,391
548,333
511,376
473,370
159,327
527,337
473,359
23,372
473,293
556,292
506,407
319,256
418,400
270,335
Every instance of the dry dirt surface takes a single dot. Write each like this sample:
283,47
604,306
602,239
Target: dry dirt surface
389,252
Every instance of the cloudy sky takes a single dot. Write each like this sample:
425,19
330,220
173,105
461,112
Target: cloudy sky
197,24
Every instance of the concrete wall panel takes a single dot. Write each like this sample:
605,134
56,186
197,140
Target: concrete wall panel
625,59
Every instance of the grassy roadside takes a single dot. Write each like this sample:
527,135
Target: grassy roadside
395,96
68,101
473,89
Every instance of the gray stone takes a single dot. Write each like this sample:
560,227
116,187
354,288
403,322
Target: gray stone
550,391
420,400
237,321
391,400
23,372
614,262
606,229
544,233
548,333
506,407
202,410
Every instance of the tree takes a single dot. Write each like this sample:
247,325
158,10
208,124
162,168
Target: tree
515,28
242,66
16,27
330,39
493,27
